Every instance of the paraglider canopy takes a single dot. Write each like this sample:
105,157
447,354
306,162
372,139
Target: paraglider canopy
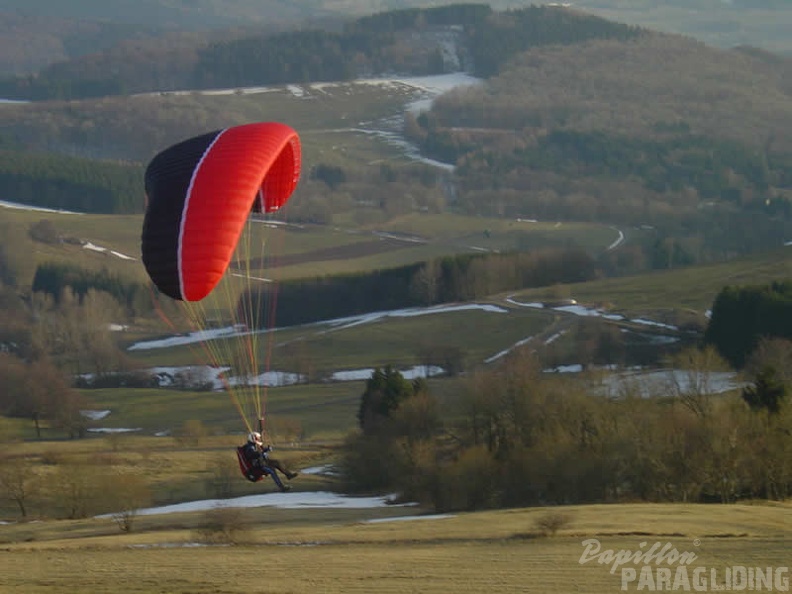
200,192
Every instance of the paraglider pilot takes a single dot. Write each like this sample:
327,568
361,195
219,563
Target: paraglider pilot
257,456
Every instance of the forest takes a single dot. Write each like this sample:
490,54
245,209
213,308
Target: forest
521,438
71,183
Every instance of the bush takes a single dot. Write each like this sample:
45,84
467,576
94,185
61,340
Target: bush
469,483
223,525
550,523
44,231
192,432
368,463
223,476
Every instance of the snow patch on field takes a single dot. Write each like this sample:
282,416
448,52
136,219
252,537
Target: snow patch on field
19,206
290,500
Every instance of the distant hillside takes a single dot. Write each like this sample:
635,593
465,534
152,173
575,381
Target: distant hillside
580,119
721,23
39,33
657,130
434,40
213,14
30,42
197,14
650,87
36,33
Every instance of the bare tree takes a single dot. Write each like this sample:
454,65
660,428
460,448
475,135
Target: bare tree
191,432
425,283
128,493
224,525
775,353
75,487
49,395
450,358
288,429
690,379
12,385
17,483
222,476
16,255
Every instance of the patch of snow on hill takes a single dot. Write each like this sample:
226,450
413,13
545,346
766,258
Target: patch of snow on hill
95,248
290,500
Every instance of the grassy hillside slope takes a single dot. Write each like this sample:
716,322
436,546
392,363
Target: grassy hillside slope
691,288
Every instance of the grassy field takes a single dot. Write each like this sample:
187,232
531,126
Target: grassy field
390,340
320,408
334,551
306,251
693,288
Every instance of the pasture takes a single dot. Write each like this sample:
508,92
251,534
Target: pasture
344,551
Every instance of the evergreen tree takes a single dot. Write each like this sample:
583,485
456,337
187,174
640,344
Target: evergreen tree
385,390
767,393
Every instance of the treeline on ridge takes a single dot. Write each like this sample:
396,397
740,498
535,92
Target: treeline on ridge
461,277
371,45
53,277
456,278
70,183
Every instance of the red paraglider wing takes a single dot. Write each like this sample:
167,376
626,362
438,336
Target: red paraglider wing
200,194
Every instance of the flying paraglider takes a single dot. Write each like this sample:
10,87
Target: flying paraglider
200,196
200,193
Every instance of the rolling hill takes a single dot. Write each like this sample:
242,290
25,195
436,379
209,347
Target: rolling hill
651,165
49,28
587,121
